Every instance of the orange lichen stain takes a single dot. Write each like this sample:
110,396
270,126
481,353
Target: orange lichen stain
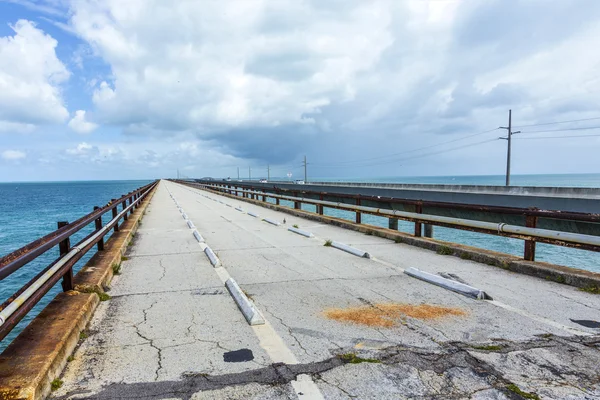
388,315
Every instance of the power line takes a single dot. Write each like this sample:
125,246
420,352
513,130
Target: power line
413,157
557,122
564,130
556,137
403,152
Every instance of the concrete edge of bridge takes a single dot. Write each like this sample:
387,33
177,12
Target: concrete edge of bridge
38,355
583,279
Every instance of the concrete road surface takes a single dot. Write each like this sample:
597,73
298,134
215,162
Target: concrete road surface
337,326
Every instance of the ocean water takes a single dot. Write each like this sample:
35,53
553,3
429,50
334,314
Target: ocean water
29,211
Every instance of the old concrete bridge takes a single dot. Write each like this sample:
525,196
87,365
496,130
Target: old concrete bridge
216,296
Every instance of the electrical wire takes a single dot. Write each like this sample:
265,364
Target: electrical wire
557,122
556,137
348,163
562,130
411,157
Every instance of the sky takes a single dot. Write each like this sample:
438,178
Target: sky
139,89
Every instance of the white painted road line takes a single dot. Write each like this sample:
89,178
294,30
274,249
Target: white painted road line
252,315
350,249
198,236
301,232
214,260
271,221
543,320
449,284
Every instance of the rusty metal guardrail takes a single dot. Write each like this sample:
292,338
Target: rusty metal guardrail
22,301
529,233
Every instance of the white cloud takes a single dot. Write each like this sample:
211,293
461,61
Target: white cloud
218,65
12,155
30,77
79,124
82,148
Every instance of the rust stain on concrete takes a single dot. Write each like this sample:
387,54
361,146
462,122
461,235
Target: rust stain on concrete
390,314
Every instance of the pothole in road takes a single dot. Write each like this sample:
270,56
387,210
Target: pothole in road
389,314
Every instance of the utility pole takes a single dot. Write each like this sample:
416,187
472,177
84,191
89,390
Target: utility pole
268,172
508,138
177,173
305,176
249,174
238,173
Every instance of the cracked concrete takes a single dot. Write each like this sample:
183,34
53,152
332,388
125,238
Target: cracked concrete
164,332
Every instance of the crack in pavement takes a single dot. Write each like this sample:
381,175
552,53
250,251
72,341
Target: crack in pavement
150,341
451,362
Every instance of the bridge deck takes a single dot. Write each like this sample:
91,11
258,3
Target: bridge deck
171,329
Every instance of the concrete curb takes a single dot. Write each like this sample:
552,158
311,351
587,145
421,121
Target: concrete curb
272,222
247,308
350,249
301,232
39,353
449,284
198,236
190,224
557,273
252,214
214,260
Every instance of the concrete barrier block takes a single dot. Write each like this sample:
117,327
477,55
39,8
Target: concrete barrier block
252,214
300,232
252,315
184,215
449,284
190,224
239,209
350,249
272,221
198,236
214,260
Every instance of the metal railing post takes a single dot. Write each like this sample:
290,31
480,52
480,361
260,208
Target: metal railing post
419,210
63,248
530,222
98,223
320,206
124,204
358,213
114,214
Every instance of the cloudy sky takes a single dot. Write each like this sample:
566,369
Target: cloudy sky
113,89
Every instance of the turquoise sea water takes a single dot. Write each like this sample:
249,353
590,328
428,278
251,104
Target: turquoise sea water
29,211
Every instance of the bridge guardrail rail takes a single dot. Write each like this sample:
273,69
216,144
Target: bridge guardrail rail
529,233
22,301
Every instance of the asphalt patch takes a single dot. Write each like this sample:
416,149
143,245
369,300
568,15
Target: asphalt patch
241,355
587,323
